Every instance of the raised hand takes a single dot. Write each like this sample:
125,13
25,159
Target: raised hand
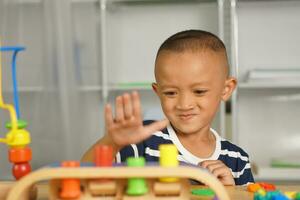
220,170
126,127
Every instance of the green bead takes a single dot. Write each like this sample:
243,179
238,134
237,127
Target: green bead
203,192
21,124
136,186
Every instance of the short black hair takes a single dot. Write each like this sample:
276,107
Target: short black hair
192,40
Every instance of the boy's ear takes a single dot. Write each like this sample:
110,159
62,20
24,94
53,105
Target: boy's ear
155,88
230,85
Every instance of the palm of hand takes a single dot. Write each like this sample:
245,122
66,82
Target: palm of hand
127,126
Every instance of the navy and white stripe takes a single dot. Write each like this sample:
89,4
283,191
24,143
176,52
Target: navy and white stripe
231,155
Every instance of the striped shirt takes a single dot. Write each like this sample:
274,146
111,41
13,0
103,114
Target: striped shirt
231,155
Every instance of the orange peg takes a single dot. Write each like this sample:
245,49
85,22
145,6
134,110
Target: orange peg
103,156
19,155
70,188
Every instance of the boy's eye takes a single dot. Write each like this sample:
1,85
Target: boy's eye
169,93
200,92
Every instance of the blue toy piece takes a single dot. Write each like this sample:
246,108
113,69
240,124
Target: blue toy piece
15,50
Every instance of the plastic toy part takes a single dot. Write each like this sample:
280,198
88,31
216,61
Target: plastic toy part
103,156
168,158
136,186
204,192
267,186
18,138
70,188
20,169
19,155
21,124
297,196
253,187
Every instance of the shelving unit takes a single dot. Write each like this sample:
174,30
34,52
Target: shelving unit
127,34
265,35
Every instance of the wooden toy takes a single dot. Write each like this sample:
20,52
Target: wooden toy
120,174
134,181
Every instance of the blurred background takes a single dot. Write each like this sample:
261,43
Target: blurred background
81,54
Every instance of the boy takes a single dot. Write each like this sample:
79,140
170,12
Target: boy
192,78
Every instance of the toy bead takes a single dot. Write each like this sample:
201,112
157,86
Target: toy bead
20,169
70,188
136,186
168,158
19,155
267,186
103,156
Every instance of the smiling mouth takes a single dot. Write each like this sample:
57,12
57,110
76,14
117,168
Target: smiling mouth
186,117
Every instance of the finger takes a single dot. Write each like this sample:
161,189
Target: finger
205,163
156,126
221,172
213,166
119,109
127,106
108,115
136,104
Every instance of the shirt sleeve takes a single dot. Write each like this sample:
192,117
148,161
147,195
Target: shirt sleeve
244,176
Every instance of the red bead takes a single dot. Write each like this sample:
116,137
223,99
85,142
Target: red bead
20,169
103,156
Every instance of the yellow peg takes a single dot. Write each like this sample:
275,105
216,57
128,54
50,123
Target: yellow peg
168,158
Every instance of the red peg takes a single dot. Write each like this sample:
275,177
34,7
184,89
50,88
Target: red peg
20,169
103,156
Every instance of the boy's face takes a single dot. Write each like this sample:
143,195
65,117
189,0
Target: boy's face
190,86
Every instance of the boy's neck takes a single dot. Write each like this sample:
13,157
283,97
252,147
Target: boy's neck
201,144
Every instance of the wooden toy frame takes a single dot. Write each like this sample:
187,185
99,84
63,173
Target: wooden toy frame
21,189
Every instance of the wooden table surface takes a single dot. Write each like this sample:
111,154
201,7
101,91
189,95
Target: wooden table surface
235,192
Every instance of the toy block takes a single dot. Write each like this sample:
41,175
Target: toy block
168,158
102,188
136,186
70,188
253,187
166,189
103,156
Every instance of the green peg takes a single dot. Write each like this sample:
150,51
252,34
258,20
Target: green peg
136,186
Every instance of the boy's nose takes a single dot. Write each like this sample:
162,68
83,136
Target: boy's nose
185,102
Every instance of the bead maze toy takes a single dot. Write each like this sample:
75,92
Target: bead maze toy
129,182
17,138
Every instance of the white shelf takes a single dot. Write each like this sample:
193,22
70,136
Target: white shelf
156,1
277,174
26,89
274,85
